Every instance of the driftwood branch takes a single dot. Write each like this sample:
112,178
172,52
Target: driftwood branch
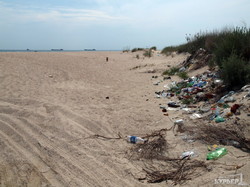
105,137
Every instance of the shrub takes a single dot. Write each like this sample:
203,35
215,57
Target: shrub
134,50
148,53
171,71
168,50
235,71
183,75
237,41
137,49
153,48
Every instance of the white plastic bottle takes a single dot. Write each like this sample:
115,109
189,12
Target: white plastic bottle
179,122
135,139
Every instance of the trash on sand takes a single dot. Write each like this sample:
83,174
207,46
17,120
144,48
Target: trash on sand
171,108
245,88
218,82
212,148
162,107
234,108
205,108
164,94
229,99
179,122
230,142
217,111
157,96
182,69
188,138
248,95
135,139
227,112
164,110
234,143
186,111
196,116
173,104
219,119
157,83
216,154
170,86
188,154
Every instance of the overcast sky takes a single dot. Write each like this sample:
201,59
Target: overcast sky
113,24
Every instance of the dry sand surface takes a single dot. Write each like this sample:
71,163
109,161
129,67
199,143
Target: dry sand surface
51,103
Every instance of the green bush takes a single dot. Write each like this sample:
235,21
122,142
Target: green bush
168,50
148,53
153,48
235,71
134,50
237,41
230,48
171,71
183,75
137,49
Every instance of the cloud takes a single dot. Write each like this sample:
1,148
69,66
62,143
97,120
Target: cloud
101,22
19,13
74,15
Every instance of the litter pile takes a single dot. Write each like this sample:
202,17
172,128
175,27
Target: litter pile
206,112
204,96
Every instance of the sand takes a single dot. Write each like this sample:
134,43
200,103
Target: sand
51,103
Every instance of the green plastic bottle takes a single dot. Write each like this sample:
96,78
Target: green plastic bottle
216,154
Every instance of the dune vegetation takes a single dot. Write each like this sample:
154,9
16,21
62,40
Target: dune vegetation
230,49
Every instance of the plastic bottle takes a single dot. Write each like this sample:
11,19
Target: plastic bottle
217,111
188,154
234,143
179,122
216,154
173,104
135,139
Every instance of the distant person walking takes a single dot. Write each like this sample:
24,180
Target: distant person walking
107,59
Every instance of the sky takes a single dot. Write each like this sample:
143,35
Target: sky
113,24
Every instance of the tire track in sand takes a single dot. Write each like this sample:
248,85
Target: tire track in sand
69,160
50,175
64,167
70,154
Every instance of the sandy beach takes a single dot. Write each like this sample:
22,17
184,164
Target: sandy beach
51,103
